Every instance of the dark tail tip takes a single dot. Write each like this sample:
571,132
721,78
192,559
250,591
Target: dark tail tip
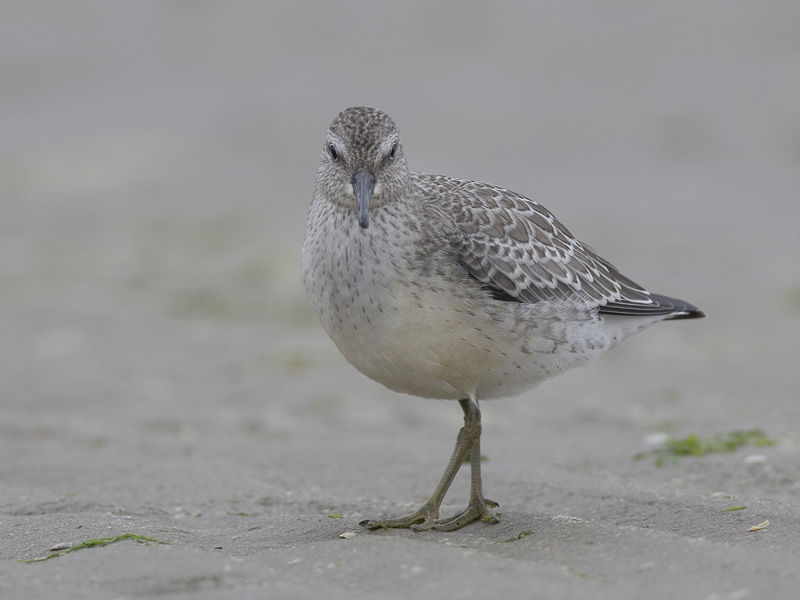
694,314
680,308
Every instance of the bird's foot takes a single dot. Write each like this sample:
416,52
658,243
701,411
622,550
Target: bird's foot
422,520
478,508
425,518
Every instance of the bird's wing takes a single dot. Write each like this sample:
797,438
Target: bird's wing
516,247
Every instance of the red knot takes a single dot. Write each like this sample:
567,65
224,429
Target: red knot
454,289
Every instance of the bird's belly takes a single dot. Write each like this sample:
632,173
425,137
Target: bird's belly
442,346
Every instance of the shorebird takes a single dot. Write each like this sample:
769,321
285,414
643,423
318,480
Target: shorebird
454,289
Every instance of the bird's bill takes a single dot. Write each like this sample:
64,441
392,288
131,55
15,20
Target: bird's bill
363,185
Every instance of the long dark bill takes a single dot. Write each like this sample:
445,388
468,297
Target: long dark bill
363,184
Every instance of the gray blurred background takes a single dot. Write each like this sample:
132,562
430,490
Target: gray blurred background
157,160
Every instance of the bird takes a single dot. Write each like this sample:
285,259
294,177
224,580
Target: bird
454,289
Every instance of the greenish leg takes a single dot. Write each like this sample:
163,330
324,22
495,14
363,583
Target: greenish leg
468,442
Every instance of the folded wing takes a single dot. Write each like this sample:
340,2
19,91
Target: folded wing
519,251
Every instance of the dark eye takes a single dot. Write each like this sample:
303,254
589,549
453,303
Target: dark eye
332,151
393,151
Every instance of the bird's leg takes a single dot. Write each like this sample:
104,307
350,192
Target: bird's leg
478,505
468,441
425,518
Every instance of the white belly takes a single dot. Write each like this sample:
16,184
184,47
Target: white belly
435,345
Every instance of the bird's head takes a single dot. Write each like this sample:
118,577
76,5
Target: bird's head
362,165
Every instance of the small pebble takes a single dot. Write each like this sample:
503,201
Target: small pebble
655,439
62,546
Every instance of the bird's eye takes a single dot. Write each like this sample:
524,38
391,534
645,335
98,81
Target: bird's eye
332,151
393,151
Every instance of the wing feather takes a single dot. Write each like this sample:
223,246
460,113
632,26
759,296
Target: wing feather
517,247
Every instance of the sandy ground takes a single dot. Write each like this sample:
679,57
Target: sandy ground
163,375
